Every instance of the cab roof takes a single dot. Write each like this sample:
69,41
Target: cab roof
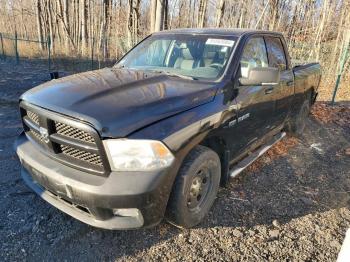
215,31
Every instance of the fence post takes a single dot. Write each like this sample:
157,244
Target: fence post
336,88
342,63
2,47
16,48
92,53
49,52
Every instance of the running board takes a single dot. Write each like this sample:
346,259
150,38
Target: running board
240,166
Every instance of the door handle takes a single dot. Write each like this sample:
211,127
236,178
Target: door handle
268,90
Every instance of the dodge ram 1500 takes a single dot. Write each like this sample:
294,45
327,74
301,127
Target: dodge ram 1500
157,134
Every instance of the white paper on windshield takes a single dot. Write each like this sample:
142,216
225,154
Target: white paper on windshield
220,42
224,49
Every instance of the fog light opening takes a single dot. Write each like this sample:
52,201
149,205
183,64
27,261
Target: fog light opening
126,212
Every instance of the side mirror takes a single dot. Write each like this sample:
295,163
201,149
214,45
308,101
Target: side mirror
258,76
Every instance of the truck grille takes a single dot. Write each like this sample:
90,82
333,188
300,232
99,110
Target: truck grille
34,117
82,155
69,141
37,136
69,131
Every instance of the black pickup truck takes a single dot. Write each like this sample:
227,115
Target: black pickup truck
157,134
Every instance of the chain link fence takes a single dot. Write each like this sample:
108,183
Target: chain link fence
63,57
14,47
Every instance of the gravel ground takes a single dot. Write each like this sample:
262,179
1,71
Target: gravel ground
290,206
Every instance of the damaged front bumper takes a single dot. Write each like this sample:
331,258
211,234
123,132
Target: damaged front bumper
123,200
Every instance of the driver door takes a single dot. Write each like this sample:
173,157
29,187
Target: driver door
255,104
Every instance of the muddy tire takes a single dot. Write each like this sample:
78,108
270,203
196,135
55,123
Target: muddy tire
297,124
195,188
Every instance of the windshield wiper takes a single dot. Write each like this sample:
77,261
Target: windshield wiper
175,75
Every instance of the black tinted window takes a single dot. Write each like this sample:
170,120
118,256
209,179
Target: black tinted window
276,53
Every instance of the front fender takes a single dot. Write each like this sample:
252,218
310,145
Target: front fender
184,131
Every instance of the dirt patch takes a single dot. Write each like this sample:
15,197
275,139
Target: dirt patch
326,113
280,149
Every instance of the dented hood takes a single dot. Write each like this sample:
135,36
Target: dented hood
119,101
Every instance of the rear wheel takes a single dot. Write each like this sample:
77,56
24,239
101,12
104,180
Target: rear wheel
195,188
297,124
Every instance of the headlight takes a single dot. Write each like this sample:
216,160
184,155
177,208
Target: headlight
137,155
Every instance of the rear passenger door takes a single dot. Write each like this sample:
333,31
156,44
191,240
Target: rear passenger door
282,93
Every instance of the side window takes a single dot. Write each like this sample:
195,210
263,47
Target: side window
276,53
254,55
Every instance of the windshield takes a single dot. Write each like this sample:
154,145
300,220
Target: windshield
194,56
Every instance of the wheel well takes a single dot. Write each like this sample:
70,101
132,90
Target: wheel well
219,146
311,92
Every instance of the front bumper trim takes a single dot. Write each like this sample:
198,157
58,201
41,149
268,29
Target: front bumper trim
116,222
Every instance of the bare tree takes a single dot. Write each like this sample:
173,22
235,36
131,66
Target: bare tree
159,15
105,26
84,30
202,11
153,13
274,13
63,17
39,23
220,8
51,26
133,21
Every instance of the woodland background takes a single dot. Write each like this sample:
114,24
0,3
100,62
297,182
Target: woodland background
316,30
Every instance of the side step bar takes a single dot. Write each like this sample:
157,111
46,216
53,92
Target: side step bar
240,166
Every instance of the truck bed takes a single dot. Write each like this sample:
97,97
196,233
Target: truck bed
306,77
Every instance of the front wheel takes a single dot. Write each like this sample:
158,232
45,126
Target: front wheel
195,188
